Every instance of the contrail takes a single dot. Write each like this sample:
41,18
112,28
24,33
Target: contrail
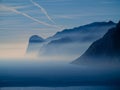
43,10
26,15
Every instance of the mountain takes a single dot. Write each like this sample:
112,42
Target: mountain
34,45
105,49
69,41
94,28
76,40
62,40
36,39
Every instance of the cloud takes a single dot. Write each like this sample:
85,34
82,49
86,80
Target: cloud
43,10
108,2
76,16
26,15
57,0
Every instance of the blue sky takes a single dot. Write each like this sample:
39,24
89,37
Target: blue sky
17,28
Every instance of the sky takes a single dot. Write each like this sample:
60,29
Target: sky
20,19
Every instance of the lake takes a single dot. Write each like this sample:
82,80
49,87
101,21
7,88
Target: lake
34,74
63,88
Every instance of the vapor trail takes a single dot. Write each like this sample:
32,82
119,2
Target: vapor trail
26,15
43,10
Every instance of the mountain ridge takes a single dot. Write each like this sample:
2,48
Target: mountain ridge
71,39
106,48
81,28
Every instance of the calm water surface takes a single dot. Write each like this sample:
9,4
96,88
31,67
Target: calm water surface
56,75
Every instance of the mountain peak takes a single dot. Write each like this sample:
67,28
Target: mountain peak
111,22
36,39
103,23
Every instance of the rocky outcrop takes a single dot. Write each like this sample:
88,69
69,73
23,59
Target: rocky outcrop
105,49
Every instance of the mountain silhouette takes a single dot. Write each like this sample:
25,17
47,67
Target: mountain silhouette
36,39
97,29
106,48
69,41
34,45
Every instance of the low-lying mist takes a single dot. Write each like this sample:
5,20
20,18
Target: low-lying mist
65,52
33,72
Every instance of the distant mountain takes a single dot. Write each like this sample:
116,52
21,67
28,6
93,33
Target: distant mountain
74,39
61,41
34,44
69,41
97,27
36,39
105,49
